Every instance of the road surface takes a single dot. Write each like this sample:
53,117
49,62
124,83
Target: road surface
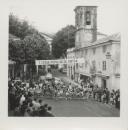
81,108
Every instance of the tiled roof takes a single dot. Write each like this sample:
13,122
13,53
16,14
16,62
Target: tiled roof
47,34
99,33
87,5
115,37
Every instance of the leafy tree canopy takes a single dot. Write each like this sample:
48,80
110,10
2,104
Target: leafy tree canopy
31,45
20,28
64,39
36,48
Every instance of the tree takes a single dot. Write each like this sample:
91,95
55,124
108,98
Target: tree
26,51
35,48
16,52
30,46
64,39
19,28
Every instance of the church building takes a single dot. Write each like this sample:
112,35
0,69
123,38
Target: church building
101,53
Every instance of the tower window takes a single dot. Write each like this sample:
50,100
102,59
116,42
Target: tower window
88,18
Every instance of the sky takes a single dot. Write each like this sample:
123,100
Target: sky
52,15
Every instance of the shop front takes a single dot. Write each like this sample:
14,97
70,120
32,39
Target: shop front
102,80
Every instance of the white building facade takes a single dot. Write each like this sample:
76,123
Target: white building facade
48,38
101,57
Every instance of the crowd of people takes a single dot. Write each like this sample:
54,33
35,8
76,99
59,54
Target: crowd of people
24,96
85,90
23,101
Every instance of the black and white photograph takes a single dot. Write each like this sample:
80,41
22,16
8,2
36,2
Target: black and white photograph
64,59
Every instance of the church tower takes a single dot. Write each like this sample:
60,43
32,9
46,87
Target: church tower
86,24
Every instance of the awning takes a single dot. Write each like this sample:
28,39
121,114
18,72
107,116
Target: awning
83,73
95,74
102,75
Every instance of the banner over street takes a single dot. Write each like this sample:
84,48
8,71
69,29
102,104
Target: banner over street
59,61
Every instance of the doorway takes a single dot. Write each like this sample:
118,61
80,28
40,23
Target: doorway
104,83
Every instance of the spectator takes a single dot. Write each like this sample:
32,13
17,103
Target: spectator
22,99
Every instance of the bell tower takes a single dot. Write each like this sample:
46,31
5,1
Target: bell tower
86,24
